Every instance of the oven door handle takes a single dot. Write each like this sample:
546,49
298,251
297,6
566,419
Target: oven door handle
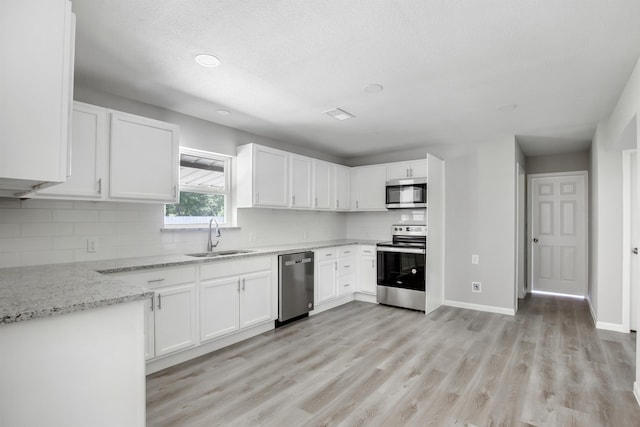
401,250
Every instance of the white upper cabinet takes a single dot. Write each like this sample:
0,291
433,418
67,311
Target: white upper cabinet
37,51
323,173
368,188
90,148
262,177
300,182
143,159
412,169
342,187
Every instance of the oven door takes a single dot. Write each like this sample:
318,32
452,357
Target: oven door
400,267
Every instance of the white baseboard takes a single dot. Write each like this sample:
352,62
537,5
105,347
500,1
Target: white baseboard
616,327
480,307
182,356
636,391
361,296
328,305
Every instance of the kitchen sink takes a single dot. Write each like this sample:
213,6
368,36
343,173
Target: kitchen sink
219,253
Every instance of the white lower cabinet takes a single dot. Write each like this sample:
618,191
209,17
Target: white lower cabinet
367,270
347,270
326,274
231,299
171,315
175,318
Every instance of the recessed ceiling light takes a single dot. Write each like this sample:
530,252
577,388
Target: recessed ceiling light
223,112
339,114
508,107
207,60
373,88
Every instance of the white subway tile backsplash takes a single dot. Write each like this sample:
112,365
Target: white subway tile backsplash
46,229
23,244
6,203
9,230
9,259
95,228
45,204
75,215
47,257
69,242
21,216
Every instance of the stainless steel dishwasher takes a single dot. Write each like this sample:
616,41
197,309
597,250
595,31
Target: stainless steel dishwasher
295,286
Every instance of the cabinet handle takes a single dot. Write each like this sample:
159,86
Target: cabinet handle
243,284
152,297
372,265
337,204
99,185
347,266
347,285
159,301
316,202
175,191
357,205
155,280
238,284
336,265
408,174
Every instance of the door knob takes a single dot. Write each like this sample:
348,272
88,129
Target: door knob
535,240
635,251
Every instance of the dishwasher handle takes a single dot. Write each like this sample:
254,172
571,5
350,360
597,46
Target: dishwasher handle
297,261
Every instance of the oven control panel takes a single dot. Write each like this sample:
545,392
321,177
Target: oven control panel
408,230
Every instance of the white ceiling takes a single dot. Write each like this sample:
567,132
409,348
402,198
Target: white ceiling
446,66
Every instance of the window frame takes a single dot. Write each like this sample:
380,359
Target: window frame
226,193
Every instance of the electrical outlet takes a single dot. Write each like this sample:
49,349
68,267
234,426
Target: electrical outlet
476,286
475,259
92,246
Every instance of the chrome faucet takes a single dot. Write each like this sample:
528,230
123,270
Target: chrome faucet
210,244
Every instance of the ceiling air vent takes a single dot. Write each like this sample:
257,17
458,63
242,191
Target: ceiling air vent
339,114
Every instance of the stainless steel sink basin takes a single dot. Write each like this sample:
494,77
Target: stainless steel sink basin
219,253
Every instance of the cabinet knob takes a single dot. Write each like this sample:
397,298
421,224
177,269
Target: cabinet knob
535,240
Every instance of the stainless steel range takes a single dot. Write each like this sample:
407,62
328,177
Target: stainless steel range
401,262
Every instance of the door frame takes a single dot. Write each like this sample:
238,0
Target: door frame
521,241
530,179
626,238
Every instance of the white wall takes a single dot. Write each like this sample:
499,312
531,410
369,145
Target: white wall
568,162
480,208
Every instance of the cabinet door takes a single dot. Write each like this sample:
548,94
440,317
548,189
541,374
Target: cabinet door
270,177
175,319
219,307
367,274
399,170
326,280
255,298
143,159
36,47
149,329
368,189
89,146
300,182
342,188
322,188
419,169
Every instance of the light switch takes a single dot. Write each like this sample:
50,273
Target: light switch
475,259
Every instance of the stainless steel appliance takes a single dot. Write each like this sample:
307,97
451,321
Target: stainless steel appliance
406,193
401,264
295,286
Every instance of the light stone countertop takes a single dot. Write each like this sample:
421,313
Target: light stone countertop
48,290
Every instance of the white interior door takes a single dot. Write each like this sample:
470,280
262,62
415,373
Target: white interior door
558,233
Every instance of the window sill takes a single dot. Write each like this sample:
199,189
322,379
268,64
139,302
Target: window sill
198,228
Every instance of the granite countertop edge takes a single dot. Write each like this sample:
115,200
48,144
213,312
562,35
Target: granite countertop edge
48,290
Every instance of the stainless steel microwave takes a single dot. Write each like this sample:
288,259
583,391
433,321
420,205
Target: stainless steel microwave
406,193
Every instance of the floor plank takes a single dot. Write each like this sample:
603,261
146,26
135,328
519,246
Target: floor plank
370,365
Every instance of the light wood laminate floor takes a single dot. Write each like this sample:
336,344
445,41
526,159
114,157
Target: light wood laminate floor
371,365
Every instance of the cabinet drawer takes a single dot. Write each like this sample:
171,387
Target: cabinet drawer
160,277
346,284
326,253
346,266
234,267
347,251
367,250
